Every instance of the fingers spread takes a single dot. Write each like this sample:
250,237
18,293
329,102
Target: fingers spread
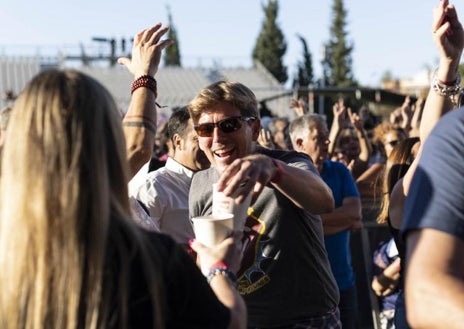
156,33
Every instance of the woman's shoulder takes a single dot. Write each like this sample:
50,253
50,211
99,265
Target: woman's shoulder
162,243
127,235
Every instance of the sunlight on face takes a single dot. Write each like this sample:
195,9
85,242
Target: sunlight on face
316,144
222,148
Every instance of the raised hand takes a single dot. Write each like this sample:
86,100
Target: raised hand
265,139
146,51
300,106
340,114
355,120
448,33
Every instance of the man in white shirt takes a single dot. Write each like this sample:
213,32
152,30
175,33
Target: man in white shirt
165,191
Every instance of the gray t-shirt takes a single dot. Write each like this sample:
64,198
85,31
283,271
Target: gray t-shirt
285,276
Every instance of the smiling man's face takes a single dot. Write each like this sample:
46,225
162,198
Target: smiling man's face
222,148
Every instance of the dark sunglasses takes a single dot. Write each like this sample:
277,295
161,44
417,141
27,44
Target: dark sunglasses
226,126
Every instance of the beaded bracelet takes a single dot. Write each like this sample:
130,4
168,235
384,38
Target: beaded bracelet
279,173
146,81
447,89
222,269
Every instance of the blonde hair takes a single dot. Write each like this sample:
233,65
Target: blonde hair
63,201
5,114
234,93
381,130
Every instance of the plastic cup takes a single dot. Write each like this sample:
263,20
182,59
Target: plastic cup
212,229
223,205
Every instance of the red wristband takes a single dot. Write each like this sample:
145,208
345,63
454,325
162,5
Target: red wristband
145,81
279,173
220,265
448,83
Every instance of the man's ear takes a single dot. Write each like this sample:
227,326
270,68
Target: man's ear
299,144
177,142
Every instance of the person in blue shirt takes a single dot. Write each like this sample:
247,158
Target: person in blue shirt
309,135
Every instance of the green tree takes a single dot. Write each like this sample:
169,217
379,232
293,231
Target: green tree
271,46
387,76
461,69
338,62
172,53
305,67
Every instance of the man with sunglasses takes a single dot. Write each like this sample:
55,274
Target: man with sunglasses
285,275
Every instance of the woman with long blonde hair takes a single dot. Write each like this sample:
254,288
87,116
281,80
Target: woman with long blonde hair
63,199
70,256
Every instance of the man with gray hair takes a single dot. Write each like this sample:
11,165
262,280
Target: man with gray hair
309,135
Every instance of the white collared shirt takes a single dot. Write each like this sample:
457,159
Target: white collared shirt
165,193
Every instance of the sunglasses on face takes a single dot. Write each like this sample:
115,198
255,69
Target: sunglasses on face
226,126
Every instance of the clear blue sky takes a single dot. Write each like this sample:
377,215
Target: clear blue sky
388,35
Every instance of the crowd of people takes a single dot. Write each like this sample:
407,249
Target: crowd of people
96,209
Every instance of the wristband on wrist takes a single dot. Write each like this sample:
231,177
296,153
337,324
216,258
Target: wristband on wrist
220,264
221,268
279,173
145,81
450,83
445,88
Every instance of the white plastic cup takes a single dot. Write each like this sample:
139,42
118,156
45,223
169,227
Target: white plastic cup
213,229
223,205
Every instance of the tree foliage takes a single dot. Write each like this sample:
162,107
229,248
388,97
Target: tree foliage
172,53
270,46
338,61
461,69
305,73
